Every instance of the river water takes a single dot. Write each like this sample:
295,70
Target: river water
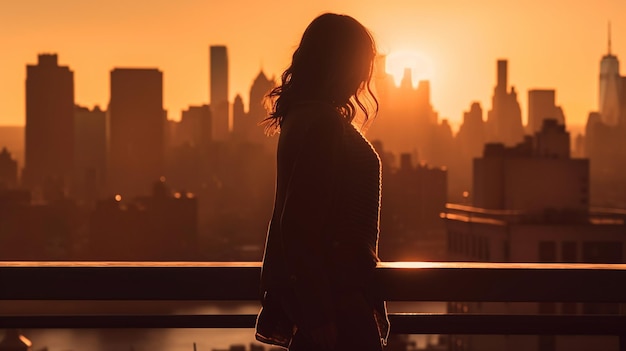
158,339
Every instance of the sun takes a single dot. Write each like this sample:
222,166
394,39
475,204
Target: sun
420,65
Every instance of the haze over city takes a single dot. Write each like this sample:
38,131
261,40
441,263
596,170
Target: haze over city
549,44
130,145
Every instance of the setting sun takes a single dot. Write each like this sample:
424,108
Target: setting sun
421,67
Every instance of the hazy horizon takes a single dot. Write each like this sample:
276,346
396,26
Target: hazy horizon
548,45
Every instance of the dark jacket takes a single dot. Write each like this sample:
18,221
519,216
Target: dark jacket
322,238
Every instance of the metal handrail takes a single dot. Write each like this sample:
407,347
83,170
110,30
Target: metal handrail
399,281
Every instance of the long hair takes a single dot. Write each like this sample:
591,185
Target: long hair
332,64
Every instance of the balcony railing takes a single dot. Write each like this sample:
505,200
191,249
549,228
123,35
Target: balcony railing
401,281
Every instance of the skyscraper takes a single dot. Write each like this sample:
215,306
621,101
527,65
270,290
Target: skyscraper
195,126
49,124
408,119
240,120
383,81
90,151
8,170
610,87
219,93
504,120
136,130
471,135
257,111
541,106
533,176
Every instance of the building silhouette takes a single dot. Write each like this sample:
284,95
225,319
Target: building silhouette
471,135
257,109
8,170
504,120
531,204
136,130
161,226
611,86
413,196
604,143
219,93
13,139
241,129
233,179
194,127
382,80
35,231
246,126
49,153
90,153
532,176
541,106
408,121
468,144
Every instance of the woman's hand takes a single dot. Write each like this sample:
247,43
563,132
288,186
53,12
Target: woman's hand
325,336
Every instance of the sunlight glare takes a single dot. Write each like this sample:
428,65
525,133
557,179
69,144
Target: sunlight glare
420,65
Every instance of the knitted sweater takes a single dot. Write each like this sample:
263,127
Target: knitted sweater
323,235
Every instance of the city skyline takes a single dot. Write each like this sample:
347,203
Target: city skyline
460,40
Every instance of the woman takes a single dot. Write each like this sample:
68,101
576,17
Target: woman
321,247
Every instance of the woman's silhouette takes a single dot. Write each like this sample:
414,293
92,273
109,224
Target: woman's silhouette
321,247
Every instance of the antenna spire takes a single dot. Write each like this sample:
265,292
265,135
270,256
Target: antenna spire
609,37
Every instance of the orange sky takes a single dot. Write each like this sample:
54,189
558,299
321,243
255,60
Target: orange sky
549,44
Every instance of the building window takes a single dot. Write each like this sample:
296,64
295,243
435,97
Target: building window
569,252
547,251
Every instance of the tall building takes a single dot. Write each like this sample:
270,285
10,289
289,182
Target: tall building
610,87
605,144
623,103
504,120
136,130
90,152
383,81
13,139
8,170
532,176
246,124
49,125
471,135
531,205
219,93
408,121
413,197
541,106
240,121
257,110
469,143
195,126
